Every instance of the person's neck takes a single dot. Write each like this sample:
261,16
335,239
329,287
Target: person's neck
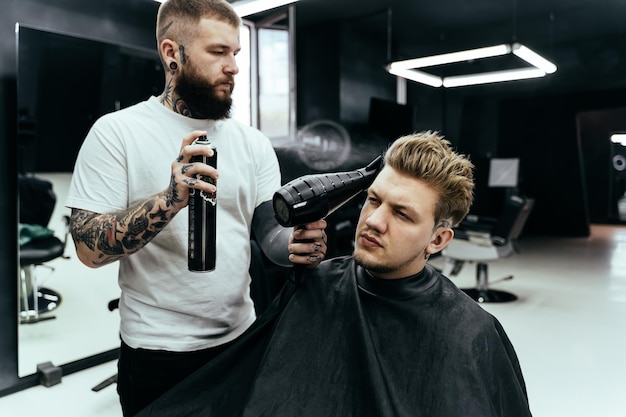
408,271
395,288
394,275
167,100
174,103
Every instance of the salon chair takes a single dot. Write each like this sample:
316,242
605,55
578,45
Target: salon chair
38,245
483,240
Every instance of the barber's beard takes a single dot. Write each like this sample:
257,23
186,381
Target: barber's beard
198,98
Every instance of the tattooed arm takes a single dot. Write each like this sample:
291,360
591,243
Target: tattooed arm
103,238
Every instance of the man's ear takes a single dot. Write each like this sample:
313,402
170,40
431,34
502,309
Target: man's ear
441,238
169,51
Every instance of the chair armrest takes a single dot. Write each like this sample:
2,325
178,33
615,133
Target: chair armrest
479,238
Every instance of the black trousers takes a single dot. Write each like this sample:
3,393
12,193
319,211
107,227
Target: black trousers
144,375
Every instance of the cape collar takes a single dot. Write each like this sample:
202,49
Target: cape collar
398,289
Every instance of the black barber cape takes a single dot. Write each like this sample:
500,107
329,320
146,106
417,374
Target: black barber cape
345,344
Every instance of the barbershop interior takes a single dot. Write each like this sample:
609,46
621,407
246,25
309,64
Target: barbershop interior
534,92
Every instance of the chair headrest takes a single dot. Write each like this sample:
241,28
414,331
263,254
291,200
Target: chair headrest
36,200
511,223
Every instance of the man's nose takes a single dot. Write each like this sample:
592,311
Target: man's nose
376,220
230,67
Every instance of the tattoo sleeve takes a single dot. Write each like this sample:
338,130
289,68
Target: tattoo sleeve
105,238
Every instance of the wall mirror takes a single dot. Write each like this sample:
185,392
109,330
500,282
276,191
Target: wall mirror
64,84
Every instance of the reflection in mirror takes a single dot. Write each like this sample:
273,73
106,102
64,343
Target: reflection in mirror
64,84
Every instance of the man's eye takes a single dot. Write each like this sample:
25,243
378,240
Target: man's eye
402,215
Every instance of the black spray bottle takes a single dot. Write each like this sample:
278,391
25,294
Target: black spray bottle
202,217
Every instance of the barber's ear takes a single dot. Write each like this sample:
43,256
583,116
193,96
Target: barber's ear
441,238
168,49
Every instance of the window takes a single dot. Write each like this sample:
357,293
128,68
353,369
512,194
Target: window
262,97
274,82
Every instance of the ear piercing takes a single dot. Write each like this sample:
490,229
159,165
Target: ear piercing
173,66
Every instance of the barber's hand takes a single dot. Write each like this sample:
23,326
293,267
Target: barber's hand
307,244
184,171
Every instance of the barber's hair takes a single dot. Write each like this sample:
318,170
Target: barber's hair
429,157
177,19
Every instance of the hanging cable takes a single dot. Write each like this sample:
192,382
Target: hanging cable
389,33
514,21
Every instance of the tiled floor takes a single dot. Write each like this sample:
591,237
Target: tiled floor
568,327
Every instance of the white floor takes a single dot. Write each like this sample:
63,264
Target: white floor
83,324
568,326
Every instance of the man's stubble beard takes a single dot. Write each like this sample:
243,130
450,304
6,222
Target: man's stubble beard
371,266
199,98
377,266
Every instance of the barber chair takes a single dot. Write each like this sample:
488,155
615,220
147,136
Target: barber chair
483,240
38,245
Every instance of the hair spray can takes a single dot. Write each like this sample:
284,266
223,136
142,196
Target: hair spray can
202,217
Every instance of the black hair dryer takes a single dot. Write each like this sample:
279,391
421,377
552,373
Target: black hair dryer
313,197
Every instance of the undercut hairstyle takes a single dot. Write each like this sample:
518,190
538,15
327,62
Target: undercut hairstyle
427,156
177,19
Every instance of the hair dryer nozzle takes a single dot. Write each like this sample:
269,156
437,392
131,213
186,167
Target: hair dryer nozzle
313,197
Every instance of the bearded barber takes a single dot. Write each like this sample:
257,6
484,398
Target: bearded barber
131,184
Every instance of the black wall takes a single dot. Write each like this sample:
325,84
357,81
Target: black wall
534,120
605,182
558,162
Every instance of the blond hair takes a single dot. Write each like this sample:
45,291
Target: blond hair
429,157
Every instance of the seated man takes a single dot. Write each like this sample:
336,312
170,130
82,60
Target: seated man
378,333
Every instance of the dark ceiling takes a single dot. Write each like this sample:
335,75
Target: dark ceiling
586,39
559,29
479,22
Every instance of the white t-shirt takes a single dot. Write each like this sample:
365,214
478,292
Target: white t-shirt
125,159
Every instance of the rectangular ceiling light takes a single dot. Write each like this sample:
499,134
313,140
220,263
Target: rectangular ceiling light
417,76
619,138
250,7
407,68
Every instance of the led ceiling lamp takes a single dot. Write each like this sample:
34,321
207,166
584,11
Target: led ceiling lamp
539,66
250,7
619,138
